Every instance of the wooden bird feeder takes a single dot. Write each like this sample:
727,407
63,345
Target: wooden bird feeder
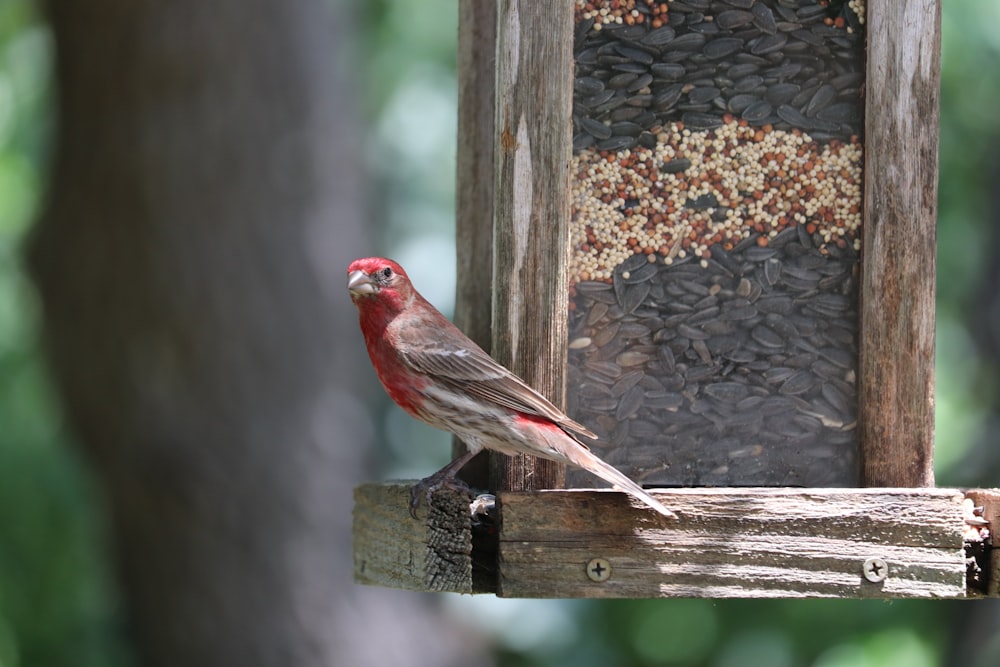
709,226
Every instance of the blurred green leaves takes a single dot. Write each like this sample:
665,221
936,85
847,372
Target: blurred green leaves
56,605
969,170
684,632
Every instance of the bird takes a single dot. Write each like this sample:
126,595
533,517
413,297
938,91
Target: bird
440,376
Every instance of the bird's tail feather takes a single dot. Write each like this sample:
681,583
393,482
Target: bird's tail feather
563,447
617,478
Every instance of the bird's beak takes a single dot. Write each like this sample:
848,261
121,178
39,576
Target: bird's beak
360,283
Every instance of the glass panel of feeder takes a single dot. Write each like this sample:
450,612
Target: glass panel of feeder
716,238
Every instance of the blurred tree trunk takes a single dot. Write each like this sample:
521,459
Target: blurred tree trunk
205,201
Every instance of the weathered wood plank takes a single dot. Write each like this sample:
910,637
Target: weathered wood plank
533,148
896,346
430,553
734,543
477,35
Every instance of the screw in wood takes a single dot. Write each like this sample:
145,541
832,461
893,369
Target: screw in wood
875,570
599,570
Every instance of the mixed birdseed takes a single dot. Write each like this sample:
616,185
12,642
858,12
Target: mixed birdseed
716,236
696,189
783,64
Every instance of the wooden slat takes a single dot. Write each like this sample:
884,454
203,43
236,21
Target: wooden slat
430,553
896,383
533,148
734,543
477,34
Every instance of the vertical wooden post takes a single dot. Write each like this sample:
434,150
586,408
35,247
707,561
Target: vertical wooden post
896,384
477,34
533,146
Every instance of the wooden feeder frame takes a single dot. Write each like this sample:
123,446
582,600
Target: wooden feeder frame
898,536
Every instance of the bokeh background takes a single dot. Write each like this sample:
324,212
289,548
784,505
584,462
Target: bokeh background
385,72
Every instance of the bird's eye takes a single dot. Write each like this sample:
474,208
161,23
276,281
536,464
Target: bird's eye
387,273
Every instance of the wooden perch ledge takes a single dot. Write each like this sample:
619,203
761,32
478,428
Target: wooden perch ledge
727,543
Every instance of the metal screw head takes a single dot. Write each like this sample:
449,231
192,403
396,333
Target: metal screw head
599,570
875,570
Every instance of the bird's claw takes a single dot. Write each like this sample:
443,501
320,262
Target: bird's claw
482,508
425,488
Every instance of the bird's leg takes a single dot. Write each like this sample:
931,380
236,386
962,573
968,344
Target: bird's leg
445,477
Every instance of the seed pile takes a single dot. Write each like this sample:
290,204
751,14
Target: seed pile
790,65
695,189
717,207
740,366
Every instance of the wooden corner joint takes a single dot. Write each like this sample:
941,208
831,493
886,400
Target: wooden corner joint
981,513
439,547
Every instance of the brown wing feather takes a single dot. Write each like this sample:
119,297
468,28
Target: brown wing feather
471,370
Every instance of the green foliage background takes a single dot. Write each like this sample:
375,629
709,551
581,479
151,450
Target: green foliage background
57,600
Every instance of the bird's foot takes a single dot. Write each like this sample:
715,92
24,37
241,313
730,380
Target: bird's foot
426,487
483,509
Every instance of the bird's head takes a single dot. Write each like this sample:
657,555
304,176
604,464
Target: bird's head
378,280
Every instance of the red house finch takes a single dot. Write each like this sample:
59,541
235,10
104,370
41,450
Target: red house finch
438,375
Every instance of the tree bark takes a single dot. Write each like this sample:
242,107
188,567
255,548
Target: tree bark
205,201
